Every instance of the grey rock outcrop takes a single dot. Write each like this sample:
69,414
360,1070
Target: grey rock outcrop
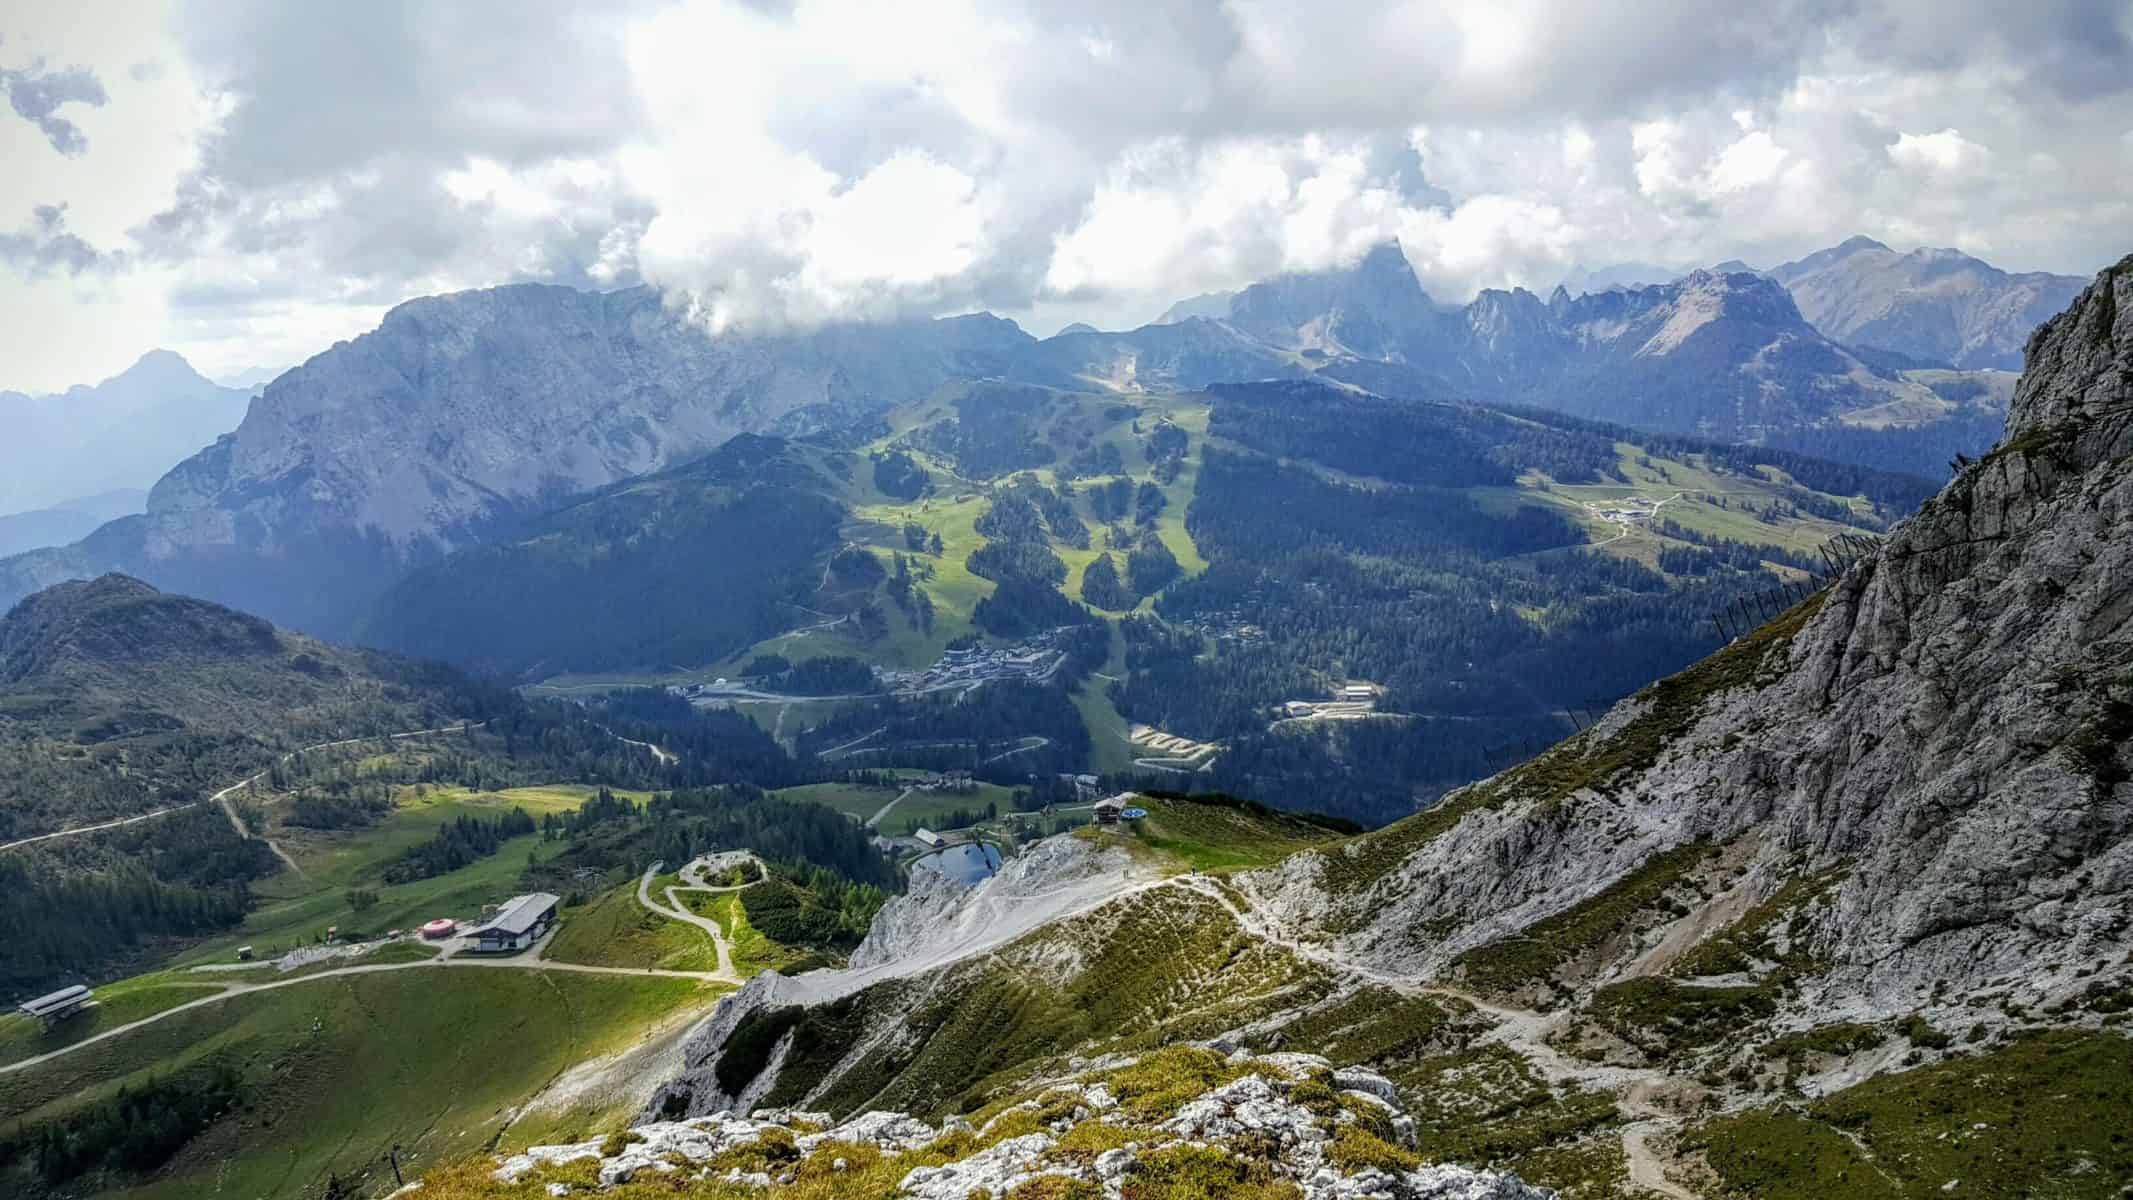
1254,1113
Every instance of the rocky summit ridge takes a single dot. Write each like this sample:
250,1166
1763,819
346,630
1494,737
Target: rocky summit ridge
1277,1124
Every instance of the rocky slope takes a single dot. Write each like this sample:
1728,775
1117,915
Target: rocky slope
1265,1126
122,433
1936,305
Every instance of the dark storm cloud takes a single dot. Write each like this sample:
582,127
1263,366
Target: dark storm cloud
37,95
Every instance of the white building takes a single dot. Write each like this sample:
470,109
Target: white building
54,1007
930,840
522,921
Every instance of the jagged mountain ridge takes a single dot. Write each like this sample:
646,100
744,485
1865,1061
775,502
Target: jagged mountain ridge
1938,305
1724,354
463,417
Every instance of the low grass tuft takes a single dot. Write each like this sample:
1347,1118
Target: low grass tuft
1354,1148
1205,1173
2034,1117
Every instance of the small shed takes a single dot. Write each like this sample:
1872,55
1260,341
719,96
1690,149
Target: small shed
54,1007
1111,808
929,839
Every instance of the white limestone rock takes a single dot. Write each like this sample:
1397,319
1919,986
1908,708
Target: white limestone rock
995,1171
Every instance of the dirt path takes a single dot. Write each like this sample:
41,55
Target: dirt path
1525,1033
834,750
1646,1169
875,820
1035,741
660,754
229,809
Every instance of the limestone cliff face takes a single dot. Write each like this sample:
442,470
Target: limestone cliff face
1942,734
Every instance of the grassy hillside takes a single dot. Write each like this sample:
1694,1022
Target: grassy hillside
117,699
861,802
1216,833
297,909
334,1073
613,930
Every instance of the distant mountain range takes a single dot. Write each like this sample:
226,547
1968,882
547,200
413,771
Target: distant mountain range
1932,304
1718,354
463,419
122,433
68,521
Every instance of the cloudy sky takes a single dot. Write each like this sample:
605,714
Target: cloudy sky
248,182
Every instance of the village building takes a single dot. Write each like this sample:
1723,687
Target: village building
522,921
929,839
1111,808
54,1007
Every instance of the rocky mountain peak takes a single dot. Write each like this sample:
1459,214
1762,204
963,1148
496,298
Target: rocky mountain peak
2080,376
1858,242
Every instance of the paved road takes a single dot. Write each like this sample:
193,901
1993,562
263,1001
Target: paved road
674,910
222,797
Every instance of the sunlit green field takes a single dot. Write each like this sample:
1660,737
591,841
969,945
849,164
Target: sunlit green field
336,1071
297,910
614,930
